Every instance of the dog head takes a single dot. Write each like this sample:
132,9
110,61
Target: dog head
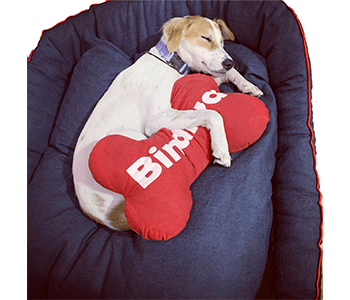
199,42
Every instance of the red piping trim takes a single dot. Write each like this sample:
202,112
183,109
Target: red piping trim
308,123
313,151
31,53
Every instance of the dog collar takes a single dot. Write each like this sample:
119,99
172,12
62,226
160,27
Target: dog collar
172,59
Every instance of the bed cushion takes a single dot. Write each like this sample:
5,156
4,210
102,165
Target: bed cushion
223,250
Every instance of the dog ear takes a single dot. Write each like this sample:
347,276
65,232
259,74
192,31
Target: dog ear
227,34
174,31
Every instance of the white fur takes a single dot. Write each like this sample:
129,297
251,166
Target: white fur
137,105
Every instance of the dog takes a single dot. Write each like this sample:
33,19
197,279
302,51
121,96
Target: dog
137,104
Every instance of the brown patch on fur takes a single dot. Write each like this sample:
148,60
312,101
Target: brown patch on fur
99,200
174,31
191,27
117,217
202,28
227,34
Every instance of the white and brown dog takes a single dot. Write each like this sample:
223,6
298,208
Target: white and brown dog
137,105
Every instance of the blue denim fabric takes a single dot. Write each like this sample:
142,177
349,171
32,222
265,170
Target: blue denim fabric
222,253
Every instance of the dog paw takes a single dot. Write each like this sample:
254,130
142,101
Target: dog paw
251,89
221,158
256,92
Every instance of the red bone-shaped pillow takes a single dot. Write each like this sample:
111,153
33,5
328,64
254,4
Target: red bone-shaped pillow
155,174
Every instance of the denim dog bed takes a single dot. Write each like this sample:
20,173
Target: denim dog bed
255,228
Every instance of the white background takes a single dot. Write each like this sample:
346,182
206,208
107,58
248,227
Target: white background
326,26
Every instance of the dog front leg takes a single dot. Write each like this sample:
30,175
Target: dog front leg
243,84
173,119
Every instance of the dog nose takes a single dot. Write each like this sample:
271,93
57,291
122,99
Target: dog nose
228,63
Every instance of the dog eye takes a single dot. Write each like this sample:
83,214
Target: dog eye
206,38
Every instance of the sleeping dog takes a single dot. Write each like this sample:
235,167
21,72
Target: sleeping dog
137,104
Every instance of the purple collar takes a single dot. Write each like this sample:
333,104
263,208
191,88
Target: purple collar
172,59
